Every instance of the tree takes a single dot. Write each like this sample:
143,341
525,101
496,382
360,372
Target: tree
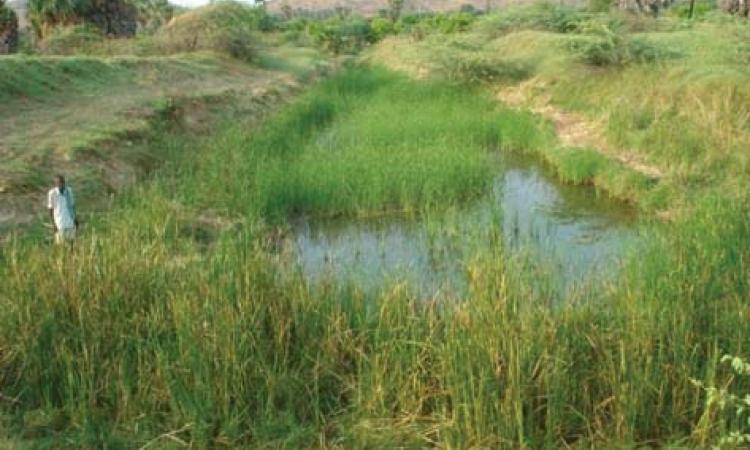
395,7
287,11
8,29
740,8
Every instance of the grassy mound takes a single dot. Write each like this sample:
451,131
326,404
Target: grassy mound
225,26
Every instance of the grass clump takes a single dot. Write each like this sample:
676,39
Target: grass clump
540,16
479,68
347,35
605,44
579,166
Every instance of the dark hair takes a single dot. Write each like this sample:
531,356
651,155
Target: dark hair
59,177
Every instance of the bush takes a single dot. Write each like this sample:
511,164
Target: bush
342,34
700,10
445,23
452,23
382,27
605,46
542,16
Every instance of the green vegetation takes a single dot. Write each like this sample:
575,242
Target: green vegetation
89,106
224,27
341,35
116,17
179,316
8,29
436,155
170,317
685,107
7,15
78,112
721,399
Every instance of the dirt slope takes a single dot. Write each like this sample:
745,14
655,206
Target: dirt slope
98,138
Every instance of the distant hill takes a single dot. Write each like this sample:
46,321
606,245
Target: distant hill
371,7
20,7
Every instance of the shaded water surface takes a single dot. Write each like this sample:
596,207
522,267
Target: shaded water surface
571,232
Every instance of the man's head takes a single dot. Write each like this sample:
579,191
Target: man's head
60,181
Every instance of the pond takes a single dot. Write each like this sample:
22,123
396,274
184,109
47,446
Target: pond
575,234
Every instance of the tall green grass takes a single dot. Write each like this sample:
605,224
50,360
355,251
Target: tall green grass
358,145
169,318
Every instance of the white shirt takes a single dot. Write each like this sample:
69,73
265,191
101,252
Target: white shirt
63,207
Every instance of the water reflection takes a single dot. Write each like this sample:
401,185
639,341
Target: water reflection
570,229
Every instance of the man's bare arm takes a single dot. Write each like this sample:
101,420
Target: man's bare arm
52,217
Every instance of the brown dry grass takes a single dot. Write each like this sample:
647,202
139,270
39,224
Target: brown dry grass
573,129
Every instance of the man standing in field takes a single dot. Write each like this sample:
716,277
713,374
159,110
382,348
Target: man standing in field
61,205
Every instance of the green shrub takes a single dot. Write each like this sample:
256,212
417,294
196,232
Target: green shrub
452,23
700,10
448,23
382,27
541,16
578,166
607,45
342,34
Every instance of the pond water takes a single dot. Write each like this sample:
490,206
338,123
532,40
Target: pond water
575,234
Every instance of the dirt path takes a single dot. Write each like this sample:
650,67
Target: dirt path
573,129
